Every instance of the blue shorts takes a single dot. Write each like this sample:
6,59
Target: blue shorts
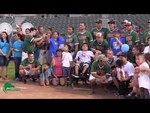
3,61
66,71
44,76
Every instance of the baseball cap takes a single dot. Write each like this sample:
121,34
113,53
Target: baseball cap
98,34
125,21
129,23
118,31
99,21
102,57
111,22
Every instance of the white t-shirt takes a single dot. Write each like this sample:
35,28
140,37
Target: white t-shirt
147,49
66,59
128,69
118,73
84,56
144,79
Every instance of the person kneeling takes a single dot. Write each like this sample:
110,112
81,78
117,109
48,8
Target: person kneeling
100,73
29,68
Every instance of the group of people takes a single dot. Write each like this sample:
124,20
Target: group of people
56,58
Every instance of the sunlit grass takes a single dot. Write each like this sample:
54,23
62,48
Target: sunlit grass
11,70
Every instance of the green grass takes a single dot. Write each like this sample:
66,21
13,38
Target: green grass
11,70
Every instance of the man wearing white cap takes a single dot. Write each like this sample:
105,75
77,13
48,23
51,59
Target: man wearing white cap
99,45
146,34
132,36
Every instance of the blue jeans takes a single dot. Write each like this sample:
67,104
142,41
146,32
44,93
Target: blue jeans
37,53
17,61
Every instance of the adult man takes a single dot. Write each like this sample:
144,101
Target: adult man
146,34
100,72
29,67
99,28
112,30
100,45
84,36
29,42
72,40
131,36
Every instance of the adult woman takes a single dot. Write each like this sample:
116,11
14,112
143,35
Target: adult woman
5,48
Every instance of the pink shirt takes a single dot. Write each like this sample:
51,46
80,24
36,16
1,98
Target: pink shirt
58,67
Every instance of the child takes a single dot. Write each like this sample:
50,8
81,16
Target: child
83,60
143,77
66,61
57,69
44,77
120,76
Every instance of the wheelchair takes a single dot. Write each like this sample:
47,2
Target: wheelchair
84,78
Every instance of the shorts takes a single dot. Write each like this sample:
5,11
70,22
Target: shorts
29,72
24,55
66,71
100,81
82,64
42,57
44,76
3,61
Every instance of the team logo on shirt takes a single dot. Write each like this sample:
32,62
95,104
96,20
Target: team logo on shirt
110,35
69,40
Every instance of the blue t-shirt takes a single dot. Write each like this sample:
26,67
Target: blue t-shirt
115,46
54,45
5,47
19,46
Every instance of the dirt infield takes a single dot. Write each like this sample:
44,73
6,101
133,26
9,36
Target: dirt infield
35,91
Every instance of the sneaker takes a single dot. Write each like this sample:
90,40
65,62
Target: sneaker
25,81
17,79
75,76
33,79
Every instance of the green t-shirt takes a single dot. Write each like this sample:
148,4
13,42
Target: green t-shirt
72,41
95,68
85,37
123,33
26,62
148,63
102,30
146,34
29,44
131,38
102,47
43,46
110,34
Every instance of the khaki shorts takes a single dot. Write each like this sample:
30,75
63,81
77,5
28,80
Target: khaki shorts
42,57
29,72
98,80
